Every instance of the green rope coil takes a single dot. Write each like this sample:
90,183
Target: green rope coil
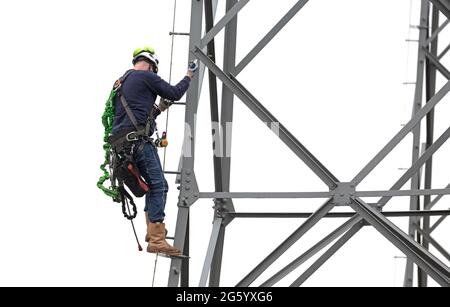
107,121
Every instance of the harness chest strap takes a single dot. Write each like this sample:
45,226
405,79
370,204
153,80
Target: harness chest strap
126,106
128,110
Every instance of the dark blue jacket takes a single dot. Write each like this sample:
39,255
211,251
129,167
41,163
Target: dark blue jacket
140,89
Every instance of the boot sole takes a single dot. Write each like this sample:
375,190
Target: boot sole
160,251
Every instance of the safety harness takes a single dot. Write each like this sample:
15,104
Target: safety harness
120,150
119,165
125,145
139,133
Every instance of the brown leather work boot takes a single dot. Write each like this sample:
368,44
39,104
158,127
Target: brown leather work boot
157,243
147,236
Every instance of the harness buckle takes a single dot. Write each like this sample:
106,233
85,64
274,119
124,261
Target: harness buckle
131,137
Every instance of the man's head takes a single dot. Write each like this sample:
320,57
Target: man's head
145,59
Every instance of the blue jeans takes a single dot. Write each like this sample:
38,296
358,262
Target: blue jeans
149,165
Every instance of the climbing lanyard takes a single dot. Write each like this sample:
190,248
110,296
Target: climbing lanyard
127,212
107,121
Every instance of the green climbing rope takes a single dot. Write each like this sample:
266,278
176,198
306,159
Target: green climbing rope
107,121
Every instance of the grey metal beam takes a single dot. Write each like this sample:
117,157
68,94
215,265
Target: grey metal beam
436,31
443,6
180,236
179,33
423,54
417,165
430,83
327,255
201,70
265,195
231,13
444,52
283,247
437,223
405,192
223,163
269,36
430,264
226,120
217,151
172,173
214,105
179,169
192,96
441,68
209,22
210,252
335,214
433,242
216,129
184,278
433,203
312,251
187,161
432,58
402,134
216,265
264,115
294,195
286,215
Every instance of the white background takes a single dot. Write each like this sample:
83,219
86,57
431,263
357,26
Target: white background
333,76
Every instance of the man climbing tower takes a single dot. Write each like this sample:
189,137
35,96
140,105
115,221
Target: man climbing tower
134,124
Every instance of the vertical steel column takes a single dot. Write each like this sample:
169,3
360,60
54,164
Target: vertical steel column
226,125
180,236
216,265
187,166
213,98
430,92
184,280
418,96
226,119
210,252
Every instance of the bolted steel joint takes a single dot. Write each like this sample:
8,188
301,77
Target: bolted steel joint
342,193
189,192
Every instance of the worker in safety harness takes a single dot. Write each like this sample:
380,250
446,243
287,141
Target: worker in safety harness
133,126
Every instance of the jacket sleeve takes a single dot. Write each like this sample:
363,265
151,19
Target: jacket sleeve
165,90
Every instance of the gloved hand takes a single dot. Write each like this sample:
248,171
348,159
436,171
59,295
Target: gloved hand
193,66
164,104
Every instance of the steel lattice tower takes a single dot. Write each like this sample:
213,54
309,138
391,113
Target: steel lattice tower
414,244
